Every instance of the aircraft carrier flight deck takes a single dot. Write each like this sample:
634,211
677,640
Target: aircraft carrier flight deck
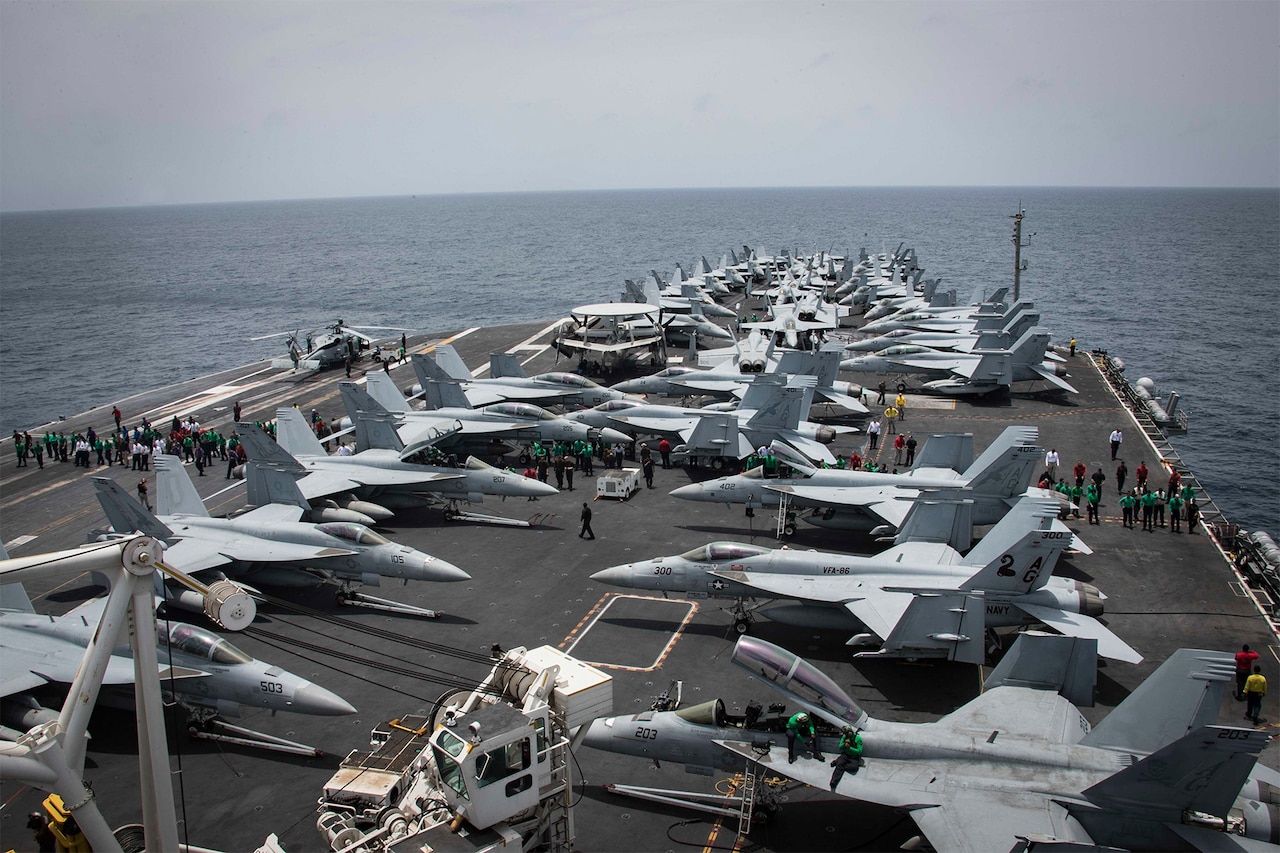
531,586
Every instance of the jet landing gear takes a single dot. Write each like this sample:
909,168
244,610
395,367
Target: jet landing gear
743,616
349,595
207,725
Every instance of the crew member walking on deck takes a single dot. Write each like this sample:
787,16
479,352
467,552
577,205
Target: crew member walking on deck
1244,664
1073,347
142,494
1122,471
1148,511
911,450
891,418
1161,500
1255,687
873,435
1051,462
1081,472
881,389
899,445
586,532
1126,507
1175,513
664,450
1091,496
1141,473
1193,516
1117,438
900,403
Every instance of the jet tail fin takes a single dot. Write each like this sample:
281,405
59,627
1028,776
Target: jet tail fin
1068,665
1183,695
446,395
175,493
1020,552
716,435
505,365
946,450
357,400
262,451
127,515
427,369
1202,771
14,599
1005,468
295,436
269,485
942,516
377,431
451,363
382,388
1030,347
785,406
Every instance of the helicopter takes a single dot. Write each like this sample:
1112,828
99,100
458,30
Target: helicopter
326,346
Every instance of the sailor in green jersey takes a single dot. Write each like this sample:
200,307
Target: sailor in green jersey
1076,493
1149,511
1091,497
850,755
1126,505
800,726
1175,513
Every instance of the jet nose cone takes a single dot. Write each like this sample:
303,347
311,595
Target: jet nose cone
614,436
616,575
314,699
691,492
538,489
630,386
435,569
599,733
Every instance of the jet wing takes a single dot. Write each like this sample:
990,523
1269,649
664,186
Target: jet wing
979,821
669,426
711,386
881,501
195,555
321,483
1028,714
1052,378
33,658
1079,625
844,401
480,394
961,365
273,514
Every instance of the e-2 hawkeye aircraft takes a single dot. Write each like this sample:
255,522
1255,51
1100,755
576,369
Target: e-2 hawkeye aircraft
918,599
267,545
1019,767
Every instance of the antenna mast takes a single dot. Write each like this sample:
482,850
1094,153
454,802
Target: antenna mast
1018,264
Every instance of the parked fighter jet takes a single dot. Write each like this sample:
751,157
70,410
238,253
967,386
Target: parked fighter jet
798,324
205,672
447,405
914,600
1019,762
718,374
507,381
864,500
978,372
377,473
267,545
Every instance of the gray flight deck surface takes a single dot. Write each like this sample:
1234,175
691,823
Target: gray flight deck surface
532,587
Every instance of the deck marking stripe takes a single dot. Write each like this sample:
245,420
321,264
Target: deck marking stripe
594,614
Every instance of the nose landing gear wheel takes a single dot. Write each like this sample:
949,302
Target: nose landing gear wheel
741,626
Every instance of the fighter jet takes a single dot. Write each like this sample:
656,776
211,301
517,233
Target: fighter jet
918,599
1018,763
267,545
377,473
797,323
978,372
719,372
865,500
507,381
966,340
447,405
203,670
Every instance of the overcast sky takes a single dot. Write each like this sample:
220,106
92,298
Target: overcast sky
122,103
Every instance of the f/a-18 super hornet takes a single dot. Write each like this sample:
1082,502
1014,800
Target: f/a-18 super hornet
507,381
917,599
1016,768
719,373
377,474
267,545
865,500
205,673
448,407
977,372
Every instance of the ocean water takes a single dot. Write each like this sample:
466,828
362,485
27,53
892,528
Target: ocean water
1184,285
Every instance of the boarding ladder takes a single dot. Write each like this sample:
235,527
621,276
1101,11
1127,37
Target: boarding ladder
748,800
786,519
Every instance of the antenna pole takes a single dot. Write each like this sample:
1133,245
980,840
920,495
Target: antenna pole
1018,265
